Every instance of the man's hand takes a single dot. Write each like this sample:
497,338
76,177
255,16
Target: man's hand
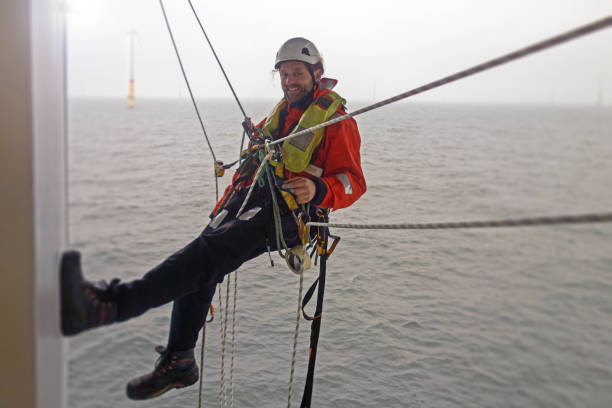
303,189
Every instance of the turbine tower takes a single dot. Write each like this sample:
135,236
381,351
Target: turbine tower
132,35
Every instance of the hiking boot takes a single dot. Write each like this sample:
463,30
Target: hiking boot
175,369
84,304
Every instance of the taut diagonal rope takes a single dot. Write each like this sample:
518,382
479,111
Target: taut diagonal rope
531,49
218,61
195,105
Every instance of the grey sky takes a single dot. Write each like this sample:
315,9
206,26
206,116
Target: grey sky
375,48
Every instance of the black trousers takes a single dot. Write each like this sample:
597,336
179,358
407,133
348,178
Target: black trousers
189,277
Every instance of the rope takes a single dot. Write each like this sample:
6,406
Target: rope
531,49
224,318
295,336
590,218
246,118
241,147
212,152
315,327
222,401
517,222
255,178
233,340
195,106
227,297
231,381
201,366
281,245
66,180
218,61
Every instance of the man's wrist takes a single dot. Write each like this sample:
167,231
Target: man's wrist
320,191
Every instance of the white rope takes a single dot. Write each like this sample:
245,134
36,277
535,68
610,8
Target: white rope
201,385
516,222
233,340
222,400
193,101
246,199
297,330
531,49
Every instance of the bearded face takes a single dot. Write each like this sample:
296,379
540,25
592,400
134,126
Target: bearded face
296,80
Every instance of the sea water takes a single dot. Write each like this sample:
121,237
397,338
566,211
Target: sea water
508,317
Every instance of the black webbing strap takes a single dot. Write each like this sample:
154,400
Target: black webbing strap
307,298
316,322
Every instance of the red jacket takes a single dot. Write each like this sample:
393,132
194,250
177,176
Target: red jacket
342,181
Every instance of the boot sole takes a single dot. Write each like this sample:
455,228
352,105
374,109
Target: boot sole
70,284
164,390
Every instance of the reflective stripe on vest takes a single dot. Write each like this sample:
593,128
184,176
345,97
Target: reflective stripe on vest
297,152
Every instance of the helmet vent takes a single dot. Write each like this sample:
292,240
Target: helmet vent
305,51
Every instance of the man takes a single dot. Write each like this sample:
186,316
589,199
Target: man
322,169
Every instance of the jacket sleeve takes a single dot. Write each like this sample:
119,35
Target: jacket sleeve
340,159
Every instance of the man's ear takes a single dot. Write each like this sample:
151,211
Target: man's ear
317,75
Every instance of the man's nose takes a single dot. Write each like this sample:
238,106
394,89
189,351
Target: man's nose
289,80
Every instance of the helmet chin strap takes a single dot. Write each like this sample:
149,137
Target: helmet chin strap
312,75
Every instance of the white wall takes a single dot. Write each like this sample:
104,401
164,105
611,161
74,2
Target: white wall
32,189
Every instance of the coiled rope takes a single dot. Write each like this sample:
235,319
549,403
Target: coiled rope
531,49
516,222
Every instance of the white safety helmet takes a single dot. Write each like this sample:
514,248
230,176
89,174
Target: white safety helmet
297,49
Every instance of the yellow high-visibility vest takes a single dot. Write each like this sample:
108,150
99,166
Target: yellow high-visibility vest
297,152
